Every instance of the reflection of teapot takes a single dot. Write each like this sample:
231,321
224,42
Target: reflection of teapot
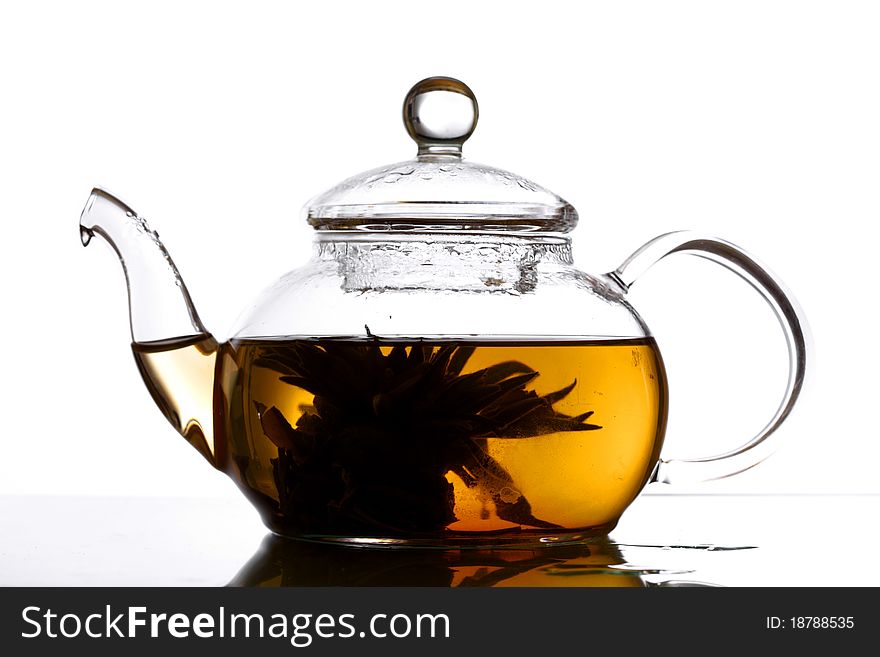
439,373
281,562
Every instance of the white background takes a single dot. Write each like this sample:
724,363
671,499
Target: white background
754,121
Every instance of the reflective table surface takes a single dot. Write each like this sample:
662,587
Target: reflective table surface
662,540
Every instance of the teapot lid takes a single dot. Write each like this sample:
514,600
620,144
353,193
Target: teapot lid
439,190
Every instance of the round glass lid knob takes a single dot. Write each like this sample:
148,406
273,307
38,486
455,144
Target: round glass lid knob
440,114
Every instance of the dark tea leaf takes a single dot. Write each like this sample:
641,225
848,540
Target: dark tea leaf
371,453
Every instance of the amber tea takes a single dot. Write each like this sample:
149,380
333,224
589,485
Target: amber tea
387,438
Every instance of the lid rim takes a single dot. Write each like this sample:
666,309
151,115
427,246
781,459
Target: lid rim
409,210
475,226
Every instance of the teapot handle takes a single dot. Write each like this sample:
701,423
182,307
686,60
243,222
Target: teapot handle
788,313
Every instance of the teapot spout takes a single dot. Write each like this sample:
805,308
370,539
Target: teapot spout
159,304
174,352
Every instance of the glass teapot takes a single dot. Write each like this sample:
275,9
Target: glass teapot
439,373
